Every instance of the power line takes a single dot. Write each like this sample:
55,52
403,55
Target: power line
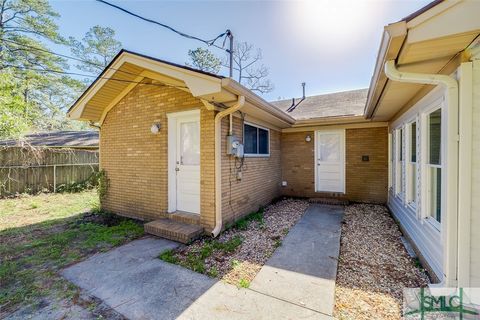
67,57
88,75
207,42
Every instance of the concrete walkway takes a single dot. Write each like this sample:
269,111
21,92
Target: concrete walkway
303,270
296,283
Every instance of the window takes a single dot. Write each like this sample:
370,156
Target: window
399,162
412,163
256,140
434,165
390,160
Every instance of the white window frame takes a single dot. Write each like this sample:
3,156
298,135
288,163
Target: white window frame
390,160
411,201
256,155
426,166
399,168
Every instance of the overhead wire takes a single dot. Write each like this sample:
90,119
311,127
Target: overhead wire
87,75
183,34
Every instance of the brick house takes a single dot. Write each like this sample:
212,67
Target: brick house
193,152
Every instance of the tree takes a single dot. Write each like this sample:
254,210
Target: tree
37,87
204,59
14,116
98,47
249,69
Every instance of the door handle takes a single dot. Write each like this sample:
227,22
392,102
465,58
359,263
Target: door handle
177,169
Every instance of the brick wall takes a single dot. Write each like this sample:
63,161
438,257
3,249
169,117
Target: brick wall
136,160
261,177
365,181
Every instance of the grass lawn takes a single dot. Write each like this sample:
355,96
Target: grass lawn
39,235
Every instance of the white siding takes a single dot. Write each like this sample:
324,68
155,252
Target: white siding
475,213
425,236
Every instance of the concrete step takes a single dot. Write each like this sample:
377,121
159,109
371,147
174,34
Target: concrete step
332,201
173,230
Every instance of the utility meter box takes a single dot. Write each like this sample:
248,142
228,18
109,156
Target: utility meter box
233,144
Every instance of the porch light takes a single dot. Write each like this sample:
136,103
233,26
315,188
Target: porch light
155,128
308,138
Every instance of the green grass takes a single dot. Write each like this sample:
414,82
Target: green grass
195,260
27,210
35,245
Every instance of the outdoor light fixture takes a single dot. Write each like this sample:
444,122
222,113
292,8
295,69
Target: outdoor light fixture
155,128
308,138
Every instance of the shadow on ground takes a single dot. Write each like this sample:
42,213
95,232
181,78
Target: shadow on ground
297,282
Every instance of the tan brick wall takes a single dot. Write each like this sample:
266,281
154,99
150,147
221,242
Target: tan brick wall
136,160
261,177
365,181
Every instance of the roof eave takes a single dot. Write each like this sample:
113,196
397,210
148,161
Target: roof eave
236,88
341,119
394,36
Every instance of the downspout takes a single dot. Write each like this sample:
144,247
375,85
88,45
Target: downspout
218,161
451,175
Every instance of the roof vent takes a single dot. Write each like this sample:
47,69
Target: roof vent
293,106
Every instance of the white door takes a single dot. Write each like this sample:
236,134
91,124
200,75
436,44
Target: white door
187,163
330,161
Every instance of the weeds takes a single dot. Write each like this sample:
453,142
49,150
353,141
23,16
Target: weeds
243,223
195,260
168,256
243,283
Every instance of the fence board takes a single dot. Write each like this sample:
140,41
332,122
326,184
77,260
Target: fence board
28,169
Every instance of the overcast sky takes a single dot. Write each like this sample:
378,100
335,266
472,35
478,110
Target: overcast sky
330,45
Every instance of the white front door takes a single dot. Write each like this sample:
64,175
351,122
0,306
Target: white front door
184,153
330,161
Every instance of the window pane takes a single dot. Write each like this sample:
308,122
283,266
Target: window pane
413,142
250,135
190,143
413,177
400,177
435,193
262,141
392,150
435,136
329,146
401,145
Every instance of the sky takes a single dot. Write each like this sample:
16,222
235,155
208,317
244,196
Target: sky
329,44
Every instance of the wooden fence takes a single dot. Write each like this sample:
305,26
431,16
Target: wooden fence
27,169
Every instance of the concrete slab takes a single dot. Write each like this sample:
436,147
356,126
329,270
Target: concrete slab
224,301
131,280
303,270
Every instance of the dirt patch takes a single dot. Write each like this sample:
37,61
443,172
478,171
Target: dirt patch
374,267
237,254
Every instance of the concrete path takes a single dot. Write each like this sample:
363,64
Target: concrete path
296,283
303,270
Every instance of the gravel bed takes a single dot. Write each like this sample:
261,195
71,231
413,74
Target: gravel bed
260,236
374,266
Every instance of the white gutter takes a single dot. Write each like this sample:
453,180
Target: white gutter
450,173
218,162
